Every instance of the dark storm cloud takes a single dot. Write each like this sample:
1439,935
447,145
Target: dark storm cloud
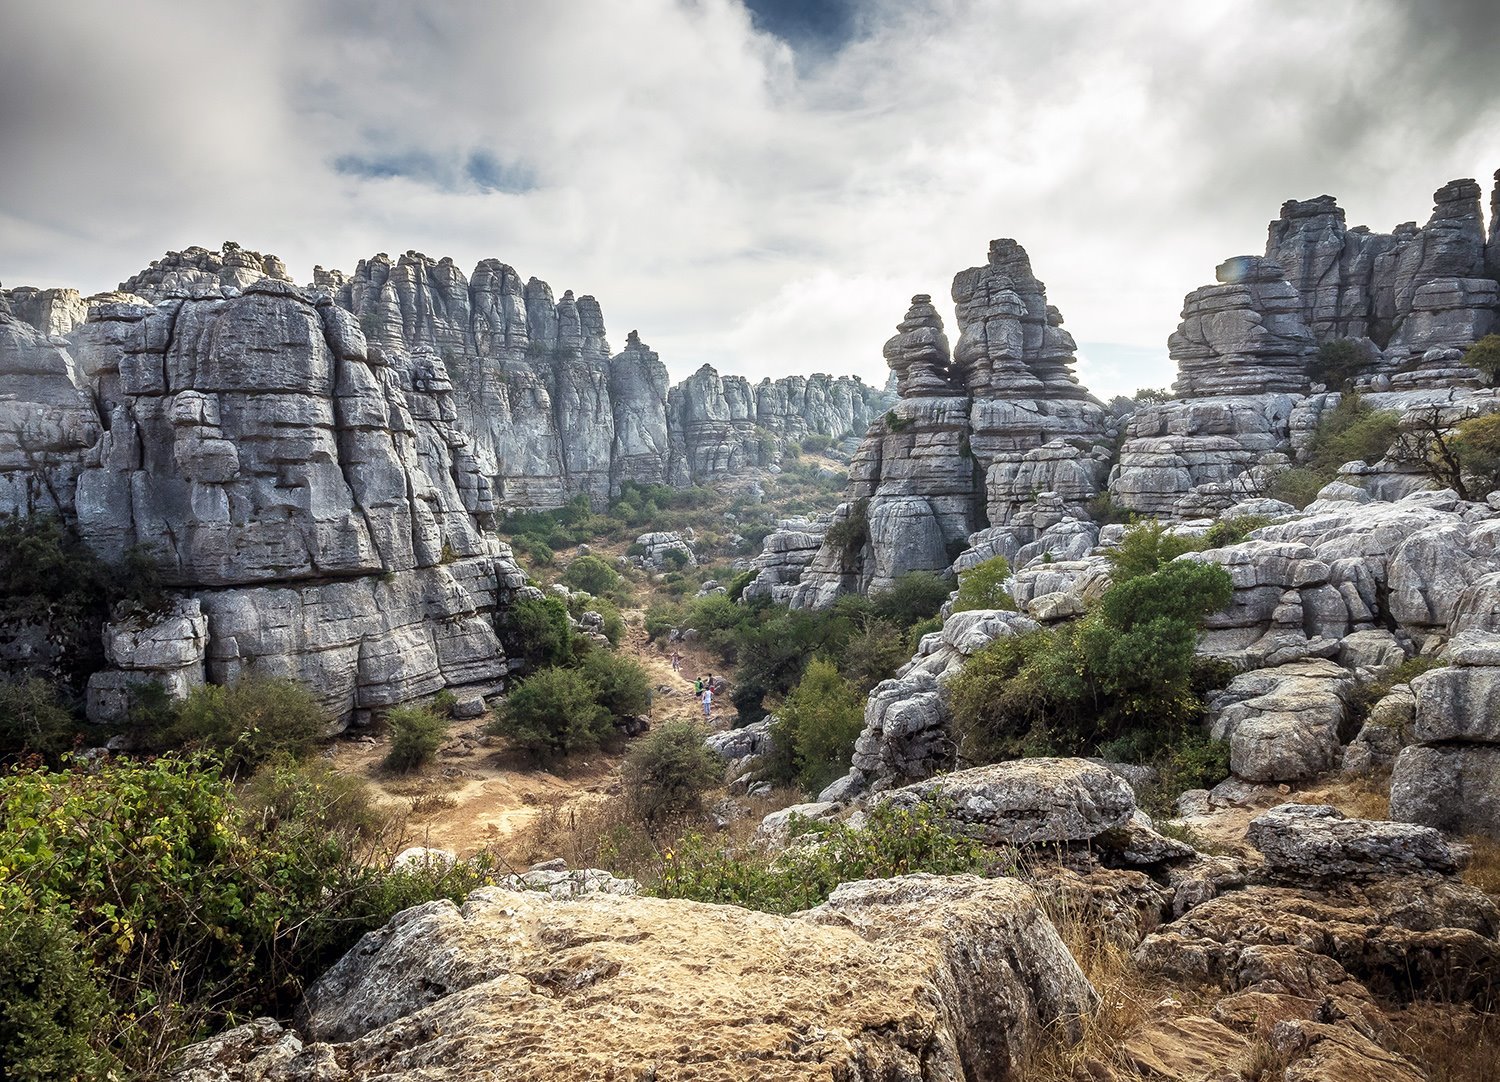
759,186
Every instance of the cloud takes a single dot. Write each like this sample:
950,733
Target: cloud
764,187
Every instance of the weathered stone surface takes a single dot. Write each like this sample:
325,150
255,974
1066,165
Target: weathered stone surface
659,546
1451,787
1028,801
47,421
905,734
1282,724
508,982
741,743
1303,841
1385,732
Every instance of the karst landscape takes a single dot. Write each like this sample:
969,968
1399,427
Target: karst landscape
402,679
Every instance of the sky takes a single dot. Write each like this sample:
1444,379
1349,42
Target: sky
757,184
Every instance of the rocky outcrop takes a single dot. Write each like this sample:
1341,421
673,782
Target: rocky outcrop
166,648
1302,842
310,492
47,420
1449,776
1000,435
954,977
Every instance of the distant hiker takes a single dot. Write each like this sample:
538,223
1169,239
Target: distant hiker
676,661
698,686
708,702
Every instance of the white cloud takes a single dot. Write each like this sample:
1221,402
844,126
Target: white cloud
730,203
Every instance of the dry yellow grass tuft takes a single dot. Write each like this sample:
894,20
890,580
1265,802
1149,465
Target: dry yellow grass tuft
1450,1043
1484,866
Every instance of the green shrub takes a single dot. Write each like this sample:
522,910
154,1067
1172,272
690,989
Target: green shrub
816,444
1233,530
592,575
851,533
444,702
874,654
1484,355
675,558
553,713
1349,432
893,842
1127,666
416,735
50,580
52,1008
662,618
1146,547
896,423
1364,696
669,770
913,597
1337,364
620,684
920,630
194,912
738,583
983,586
1299,486
816,727
313,795
539,633
33,721
249,723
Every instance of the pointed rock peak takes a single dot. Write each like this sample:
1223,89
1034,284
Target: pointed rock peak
1294,209
918,354
633,343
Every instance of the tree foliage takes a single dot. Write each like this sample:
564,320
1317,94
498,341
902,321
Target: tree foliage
668,770
555,712
983,586
1484,356
816,726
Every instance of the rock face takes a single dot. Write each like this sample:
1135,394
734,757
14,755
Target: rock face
999,434
952,978
1302,841
1450,775
312,493
47,419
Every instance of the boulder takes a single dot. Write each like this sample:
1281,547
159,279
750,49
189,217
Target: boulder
958,978
1282,724
1028,801
1303,842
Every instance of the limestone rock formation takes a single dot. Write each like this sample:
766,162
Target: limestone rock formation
999,435
47,420
1302,842
950,977
310,491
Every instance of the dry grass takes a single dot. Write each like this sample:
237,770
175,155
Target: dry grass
1365,798
1263,1063
610,833
1451,1044
1128,998
1484,866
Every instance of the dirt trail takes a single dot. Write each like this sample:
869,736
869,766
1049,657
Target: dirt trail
478,793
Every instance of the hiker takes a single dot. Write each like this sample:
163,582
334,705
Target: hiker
708,702
698,686
676,661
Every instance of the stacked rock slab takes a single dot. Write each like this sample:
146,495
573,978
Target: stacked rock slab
977,438
47,420
310,492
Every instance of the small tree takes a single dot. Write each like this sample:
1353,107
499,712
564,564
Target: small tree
1338,363
552,714
416,735
1145,548
1484,357
591,575
912,598
620,683
539,631
250,722
817,725
669,770
983,586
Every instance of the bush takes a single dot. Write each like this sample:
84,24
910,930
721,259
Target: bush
194,912
1338,363
983,586
874,654
592,575
1484,356
539,632
1126,667
1145,548
314,796
1349,432
894,842
50,580
851,533
1476,443
52,1008
620,683
416,735
663,617
913,597
669,770
816,727
33,721
1233,530
552,714
249,723
816,444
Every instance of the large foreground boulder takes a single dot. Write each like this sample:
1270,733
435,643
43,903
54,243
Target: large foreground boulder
916,978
